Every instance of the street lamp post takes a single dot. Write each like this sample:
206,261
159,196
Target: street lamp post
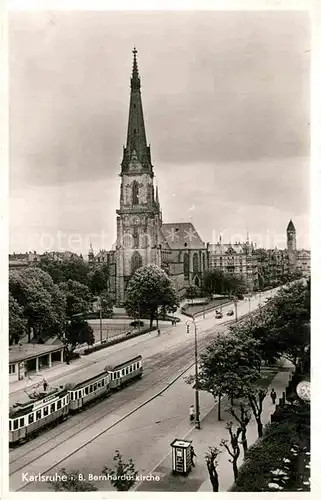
235,305
197,401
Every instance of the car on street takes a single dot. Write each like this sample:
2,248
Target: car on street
218,315
230,312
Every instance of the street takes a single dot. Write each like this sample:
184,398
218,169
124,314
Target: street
128,421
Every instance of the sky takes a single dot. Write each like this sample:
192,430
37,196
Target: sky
226,99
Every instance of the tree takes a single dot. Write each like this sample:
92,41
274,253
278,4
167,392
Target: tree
243,418
98,279
289,320
228,366
211,464
255,399
233,448
122,474
192,292
78,332
42,302
148,289
72,481
73,268
78,298
17,322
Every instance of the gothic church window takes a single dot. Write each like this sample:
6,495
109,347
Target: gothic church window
195,263
137,261
135,238
135,193
186,265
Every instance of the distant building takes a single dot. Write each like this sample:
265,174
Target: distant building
19,260
235,258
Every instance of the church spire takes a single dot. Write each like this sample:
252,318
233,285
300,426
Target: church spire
136,145
135,80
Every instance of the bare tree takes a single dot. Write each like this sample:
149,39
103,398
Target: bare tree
233,449
256,402
211,463
243,418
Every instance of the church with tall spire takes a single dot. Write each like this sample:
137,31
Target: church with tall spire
142,237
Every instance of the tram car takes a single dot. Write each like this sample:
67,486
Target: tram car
83,392
28,418
123,373
42,409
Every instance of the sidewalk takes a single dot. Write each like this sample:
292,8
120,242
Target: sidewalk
210,434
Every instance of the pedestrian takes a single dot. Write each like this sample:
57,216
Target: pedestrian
173,322
193,454
158,332
45,385
273,396
191,413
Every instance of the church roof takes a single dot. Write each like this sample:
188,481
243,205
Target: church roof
182,235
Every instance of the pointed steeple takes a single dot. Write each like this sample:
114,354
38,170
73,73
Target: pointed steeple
135,80
291,226
136,145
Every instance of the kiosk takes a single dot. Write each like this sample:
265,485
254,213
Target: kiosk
181,456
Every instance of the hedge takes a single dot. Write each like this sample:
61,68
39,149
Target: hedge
118,340
267,454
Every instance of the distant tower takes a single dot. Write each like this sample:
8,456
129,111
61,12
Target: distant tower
91,254
139,216
291,245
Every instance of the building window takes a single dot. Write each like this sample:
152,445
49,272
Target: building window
135,193
195,263
186,265
137,261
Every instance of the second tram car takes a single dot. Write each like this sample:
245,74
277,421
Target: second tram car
87,390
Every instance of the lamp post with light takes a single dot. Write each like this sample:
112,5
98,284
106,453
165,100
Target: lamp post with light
197,401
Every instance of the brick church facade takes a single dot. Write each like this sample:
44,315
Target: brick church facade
142,237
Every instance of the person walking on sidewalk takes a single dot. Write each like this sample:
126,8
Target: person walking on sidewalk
45,385
191,413
273,396
158,332
193,454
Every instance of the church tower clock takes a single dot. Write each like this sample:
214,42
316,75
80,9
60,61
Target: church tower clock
139,216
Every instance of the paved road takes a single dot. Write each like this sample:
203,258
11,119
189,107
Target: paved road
144,434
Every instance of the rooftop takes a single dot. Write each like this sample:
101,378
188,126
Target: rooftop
29,351
182,235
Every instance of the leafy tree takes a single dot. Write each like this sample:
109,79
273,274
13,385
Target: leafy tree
74,482
123,474
243,418
42,302
73,268
78,298
78,332
17,322
289,320
233,447
98,279
148,289
229,366
211,464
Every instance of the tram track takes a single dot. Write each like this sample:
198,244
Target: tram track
151,367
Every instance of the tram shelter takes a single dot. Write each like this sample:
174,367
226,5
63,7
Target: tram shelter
25,359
